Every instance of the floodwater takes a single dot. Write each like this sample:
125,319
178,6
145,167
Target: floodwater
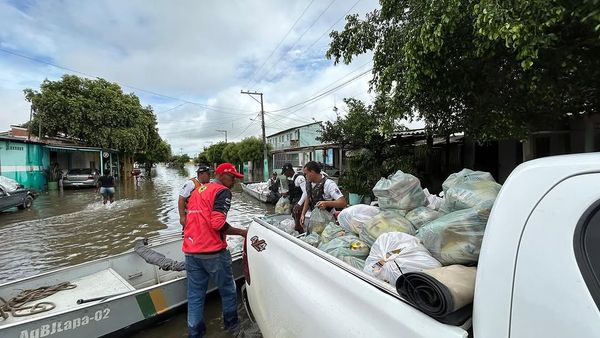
73,226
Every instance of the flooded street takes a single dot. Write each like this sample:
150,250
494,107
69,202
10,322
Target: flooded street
73,226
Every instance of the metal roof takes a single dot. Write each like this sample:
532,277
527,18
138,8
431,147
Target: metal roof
5,136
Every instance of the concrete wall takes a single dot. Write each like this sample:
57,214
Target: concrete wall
304,136
84,159
71,159
24,163
309,134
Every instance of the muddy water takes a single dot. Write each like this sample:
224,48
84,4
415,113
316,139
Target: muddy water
73,226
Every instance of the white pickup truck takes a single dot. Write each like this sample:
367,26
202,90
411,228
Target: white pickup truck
538,273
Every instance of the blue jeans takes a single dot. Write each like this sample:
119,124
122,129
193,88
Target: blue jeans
199,270
107,191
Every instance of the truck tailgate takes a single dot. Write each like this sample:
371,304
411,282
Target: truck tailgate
296,290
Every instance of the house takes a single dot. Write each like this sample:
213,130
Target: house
25,157
23,160
299,145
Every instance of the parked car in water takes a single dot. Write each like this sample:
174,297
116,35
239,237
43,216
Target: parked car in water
15,195
81,177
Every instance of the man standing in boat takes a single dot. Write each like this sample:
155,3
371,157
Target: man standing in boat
205,248
296,191
274,186
202,177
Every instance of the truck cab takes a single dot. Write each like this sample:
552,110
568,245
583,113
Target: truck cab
538,273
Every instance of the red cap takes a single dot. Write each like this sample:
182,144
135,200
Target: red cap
228,168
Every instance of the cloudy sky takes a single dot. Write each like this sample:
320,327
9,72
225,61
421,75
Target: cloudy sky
187,59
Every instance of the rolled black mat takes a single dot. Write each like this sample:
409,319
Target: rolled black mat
432,297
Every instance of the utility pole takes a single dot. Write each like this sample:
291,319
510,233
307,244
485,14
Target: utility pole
29,125
264,137
223,131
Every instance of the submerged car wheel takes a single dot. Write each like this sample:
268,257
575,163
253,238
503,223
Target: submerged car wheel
27,203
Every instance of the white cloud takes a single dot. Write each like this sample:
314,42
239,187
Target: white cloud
195,50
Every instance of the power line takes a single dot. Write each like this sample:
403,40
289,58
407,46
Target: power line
331,27
288,115
280,42
321,112
249,125
200,128
168,110
218,117
215,108
300,37
275,123
324,93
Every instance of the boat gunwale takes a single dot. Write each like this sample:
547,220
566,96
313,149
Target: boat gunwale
253,193
234,257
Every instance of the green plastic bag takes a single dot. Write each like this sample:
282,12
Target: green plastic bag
318,220
385,221
399,191
312,239
470,194
346,246
456,238
283,206
466,175
332,231
422,215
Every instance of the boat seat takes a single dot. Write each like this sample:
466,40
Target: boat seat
99,284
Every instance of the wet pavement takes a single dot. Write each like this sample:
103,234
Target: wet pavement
68,227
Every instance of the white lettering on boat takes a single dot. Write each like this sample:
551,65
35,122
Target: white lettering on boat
60,326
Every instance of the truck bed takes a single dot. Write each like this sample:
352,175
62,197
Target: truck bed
286,302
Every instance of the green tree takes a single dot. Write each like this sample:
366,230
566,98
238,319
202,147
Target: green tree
179,161
490,68
231,153
251,149
360,128
214,153
95,112
201,158
363,133
157,154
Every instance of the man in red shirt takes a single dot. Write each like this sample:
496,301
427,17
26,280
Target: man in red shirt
205,248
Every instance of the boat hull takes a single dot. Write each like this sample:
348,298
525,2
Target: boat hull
117,313
261,196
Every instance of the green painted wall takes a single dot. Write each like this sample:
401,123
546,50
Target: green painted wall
24,163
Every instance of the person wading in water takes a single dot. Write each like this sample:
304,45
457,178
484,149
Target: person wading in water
106,187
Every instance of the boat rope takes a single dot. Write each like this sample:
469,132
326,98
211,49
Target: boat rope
20,305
